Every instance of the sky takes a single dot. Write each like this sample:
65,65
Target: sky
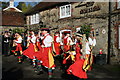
16,2
22,0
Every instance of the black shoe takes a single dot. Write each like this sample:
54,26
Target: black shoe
39,72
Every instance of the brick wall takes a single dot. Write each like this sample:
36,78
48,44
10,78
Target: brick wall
12,18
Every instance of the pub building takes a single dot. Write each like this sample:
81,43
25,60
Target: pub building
104,18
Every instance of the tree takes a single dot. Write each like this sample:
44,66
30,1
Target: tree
85,29
5,5
20,5
29,6
24,6
18,30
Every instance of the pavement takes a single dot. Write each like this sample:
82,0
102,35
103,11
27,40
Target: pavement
11,70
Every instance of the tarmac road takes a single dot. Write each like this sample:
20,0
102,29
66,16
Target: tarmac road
11,70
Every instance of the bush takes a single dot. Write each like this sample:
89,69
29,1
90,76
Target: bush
18,30
85,29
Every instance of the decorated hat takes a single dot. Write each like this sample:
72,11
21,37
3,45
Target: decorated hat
67,32
78,34
45,29
57,32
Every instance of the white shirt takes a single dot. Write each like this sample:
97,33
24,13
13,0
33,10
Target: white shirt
19,40
94,42
58,39
87,49
33,39
90,41
48,41
69,40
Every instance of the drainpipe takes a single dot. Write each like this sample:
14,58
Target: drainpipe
109,33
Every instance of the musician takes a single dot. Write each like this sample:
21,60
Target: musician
17,42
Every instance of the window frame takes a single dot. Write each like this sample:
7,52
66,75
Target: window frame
34,18
65,9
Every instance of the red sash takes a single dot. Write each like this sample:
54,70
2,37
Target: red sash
56,46
66,45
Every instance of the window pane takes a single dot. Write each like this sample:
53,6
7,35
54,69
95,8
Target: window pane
68,10
34,19
63,11
37,18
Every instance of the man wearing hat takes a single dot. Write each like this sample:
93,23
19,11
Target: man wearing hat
46,51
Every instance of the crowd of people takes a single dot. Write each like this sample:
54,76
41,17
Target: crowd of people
42,47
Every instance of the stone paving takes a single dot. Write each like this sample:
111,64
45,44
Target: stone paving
12,70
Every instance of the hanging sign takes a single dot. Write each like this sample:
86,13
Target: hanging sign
103,31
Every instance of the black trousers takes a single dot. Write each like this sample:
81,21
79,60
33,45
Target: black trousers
5,48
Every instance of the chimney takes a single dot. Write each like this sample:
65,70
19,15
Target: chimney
11,4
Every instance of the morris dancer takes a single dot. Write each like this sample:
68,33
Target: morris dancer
57,44
37,54
78,46
17,43
76,68
29,52
46,55
67,48
66,41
